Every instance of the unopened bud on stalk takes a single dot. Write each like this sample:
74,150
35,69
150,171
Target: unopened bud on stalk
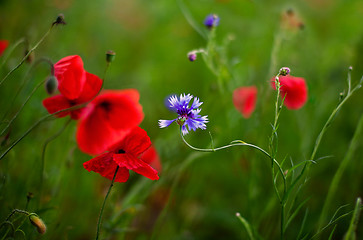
192,56
110,56
38,223
51,84
284,71
59,20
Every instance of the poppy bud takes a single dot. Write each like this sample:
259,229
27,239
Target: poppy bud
59,20
192,56
110,56
284,71
38,223
51,84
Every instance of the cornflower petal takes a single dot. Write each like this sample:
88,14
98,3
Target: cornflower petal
165,123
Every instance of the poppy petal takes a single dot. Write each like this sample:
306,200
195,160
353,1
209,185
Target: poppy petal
91,88
94,135
107,120
132,163
106,167
120,109
151,156
136,142
57,103
3,45
294,90
71,76
244,99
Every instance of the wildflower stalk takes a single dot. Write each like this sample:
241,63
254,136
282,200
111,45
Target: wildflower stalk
338,174
8,222
27,55
57,134
46,117
273,152
104,202
332,116
30,95
22,84
11,49
232,144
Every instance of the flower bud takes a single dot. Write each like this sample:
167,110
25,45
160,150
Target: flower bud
212,20
59,20
110,56
51,84
38,223
192,56
284,71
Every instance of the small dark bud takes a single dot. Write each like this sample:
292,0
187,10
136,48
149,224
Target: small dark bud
284,71
38,223
110,56
59,20
192,56
29,196
51,84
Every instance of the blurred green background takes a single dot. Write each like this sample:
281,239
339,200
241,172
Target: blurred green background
197,195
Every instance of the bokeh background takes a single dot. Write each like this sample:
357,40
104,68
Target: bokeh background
198,194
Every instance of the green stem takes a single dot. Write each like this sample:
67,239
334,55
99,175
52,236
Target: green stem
27,55
339,173
234,143
43,156
11,49
104,202
36,124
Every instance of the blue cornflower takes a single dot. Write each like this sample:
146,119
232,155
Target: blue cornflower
212,20
188,116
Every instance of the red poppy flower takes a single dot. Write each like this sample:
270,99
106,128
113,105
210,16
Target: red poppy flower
124,154
75,85
3,45
244,99
108,119
151,157
293,89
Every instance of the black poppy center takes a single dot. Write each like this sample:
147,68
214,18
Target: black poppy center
105,105
120,151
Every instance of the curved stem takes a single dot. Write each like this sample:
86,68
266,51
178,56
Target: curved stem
24,81
22,106
13,47
27,55
43,156
36,124
104,202
234,143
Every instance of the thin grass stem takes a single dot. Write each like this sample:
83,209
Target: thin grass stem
103,204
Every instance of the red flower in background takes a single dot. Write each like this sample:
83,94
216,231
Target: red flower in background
3,45
293,89
151,157
108,119
124,154
75,85
244,99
